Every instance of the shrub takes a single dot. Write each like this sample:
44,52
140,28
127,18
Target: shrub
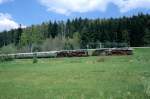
68,46
35,60
4,58
8,49
61,43
51,44
36,48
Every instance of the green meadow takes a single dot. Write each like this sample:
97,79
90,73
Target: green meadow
103,77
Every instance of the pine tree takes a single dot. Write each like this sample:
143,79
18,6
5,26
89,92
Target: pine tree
147,37
18,35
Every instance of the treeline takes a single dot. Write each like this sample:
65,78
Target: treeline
77,33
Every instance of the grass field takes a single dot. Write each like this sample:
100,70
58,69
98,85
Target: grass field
109,77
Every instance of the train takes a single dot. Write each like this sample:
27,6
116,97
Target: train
73,53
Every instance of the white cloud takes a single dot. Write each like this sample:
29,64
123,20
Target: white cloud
7,23
69,6
3,1
128,5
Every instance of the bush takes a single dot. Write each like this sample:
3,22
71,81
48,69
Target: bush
4,58
8,49
61,43
35,60
36,48
68,46
5,50
53,44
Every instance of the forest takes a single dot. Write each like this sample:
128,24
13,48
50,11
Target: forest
77,33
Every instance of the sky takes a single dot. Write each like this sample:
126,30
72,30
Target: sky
28,12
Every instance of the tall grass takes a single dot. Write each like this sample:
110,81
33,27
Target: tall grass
109,77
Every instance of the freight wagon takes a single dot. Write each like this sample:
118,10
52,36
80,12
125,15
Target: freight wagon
74,53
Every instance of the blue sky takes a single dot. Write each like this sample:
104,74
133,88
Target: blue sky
27,12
